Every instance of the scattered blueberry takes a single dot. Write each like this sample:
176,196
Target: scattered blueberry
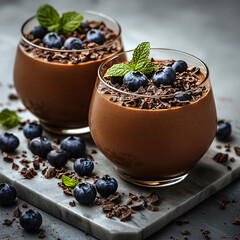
83,166
224,130
53,40
95,35
73,43
85,193
57,158
165,76
115,80
40,146
85,25
180,66
31,220
39,32
106,186
134,79
8,194
184,96
32,130
74,146
8,142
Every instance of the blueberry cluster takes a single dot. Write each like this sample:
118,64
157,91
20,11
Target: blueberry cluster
133,80
54,40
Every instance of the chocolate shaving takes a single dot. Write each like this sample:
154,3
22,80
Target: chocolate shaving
17,212
72,204
237,150
13,96
30,173
50,172
68,192
220,158
7,158
36,164
236,221
15,166
41,235
8,222
24,205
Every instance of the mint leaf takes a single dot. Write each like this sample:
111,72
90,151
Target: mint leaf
118,70
141,53
70,21
69,182
8,118
146,67
47,16
54,28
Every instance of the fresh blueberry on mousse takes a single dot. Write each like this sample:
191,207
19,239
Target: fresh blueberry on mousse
74,146
85,25
133,80
73,43
32,130
31,220
183,96
83,166
85,193
165,76
39,32
95,35
115,80
53,40
106,186
40,146
8,194
224,130
8,142
58,158
180,66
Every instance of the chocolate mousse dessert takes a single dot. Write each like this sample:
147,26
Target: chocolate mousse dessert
153,117
56,65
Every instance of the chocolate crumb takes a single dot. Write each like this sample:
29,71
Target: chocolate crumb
17,212
232,159
36,164
50,172
229,168
220,157
8,222
236,221
24,205
72,204
41,235
15,166
30,173
219,146
68,192
94,151
185,232
152,208
7,158
237,150
13,96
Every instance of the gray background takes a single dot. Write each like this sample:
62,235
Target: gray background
207,29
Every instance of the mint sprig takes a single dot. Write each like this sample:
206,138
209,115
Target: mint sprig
49,18
69,182
139,62
8,118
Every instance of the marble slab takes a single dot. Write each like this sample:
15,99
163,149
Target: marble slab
206,178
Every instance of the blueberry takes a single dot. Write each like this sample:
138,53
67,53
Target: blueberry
95,35
31,220
53,40
183,97
40,146
165,76
74,146
57,158
8,142
180,66
115,80
134,79
73,43
85,193
224,130
84,25
39,32
32,130
83,166
8,194
106,186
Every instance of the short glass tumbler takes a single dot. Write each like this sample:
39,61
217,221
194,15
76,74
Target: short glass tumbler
59,93
152,148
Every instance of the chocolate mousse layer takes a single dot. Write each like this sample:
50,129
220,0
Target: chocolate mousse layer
151,138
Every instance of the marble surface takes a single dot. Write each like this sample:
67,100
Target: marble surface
206,29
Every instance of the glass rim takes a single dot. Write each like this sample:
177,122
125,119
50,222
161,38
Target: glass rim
74,50
155,95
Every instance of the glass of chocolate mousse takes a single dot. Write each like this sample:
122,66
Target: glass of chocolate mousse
153,127
55,82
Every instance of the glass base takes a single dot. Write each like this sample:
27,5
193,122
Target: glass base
65,131
156,183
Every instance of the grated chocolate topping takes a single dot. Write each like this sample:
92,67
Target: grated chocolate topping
157,98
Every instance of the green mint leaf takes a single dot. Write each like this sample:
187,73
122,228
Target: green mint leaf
146,67
70,21
141,53
69,182
47,16
118,70
8,118
54,28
